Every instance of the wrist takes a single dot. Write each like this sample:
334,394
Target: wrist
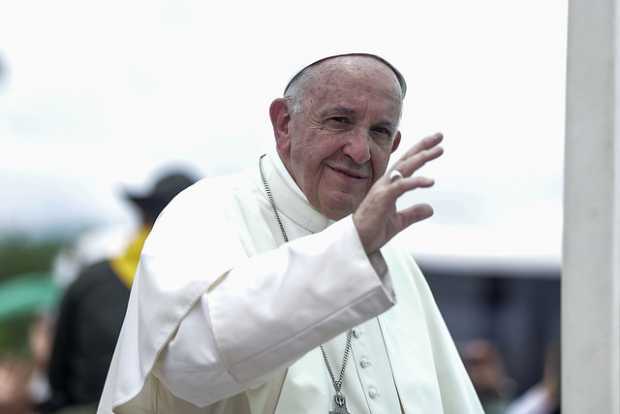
358,222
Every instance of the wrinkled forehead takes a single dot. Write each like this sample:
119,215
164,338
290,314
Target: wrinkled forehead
348,61
353,84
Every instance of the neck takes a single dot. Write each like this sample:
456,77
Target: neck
288,197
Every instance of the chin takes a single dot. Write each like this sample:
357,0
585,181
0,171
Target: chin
336,215
338,209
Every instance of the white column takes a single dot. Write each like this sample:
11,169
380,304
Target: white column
591,251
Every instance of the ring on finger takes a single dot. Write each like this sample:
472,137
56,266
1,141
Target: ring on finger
395,175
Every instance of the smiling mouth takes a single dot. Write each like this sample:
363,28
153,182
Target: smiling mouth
349,173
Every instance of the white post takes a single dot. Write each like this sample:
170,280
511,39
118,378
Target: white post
591,251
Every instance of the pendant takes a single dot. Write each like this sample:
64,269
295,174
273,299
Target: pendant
340,404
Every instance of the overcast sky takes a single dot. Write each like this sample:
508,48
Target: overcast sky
98,96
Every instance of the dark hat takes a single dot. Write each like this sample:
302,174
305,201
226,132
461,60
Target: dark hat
164,190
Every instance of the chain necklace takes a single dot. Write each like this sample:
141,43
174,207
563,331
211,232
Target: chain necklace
340,403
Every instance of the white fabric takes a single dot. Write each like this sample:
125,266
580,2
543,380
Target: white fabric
535,401
368,383
302,312
218,313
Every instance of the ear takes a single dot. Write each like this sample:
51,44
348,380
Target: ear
396,142
280,118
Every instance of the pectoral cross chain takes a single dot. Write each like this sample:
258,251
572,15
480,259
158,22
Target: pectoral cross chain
340,404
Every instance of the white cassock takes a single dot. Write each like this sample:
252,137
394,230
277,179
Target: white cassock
226,318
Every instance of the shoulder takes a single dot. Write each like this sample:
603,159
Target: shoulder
208,192
209,195
90,279
92,275
207,208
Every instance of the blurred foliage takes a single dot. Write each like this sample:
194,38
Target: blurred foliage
28,293
23,255
19,255
14,336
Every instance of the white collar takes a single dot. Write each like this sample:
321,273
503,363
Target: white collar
290,200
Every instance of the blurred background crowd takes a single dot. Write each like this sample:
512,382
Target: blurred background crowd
107,110
63,305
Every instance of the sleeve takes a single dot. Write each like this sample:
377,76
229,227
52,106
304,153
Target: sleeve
269,311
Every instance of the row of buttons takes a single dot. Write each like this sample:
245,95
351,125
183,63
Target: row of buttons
365,363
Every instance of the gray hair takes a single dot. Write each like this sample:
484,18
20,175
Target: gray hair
295,91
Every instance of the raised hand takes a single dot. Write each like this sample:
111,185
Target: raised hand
376,218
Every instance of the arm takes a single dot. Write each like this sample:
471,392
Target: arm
267,312
270,310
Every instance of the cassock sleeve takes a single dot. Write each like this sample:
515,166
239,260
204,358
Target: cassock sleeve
269,311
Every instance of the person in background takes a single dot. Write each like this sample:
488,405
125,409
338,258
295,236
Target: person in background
485,366
14,374
544,397
40,343
92,311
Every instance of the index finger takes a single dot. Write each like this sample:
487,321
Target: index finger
410,165
423,144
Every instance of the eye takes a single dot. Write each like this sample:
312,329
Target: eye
339,120
382,131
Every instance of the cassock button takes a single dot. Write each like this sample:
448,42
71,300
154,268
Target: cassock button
373,393
364,363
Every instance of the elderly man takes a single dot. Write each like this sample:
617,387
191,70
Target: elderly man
278,290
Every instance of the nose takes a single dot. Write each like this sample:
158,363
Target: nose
357,147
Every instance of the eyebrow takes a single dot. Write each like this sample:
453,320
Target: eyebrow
339,110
